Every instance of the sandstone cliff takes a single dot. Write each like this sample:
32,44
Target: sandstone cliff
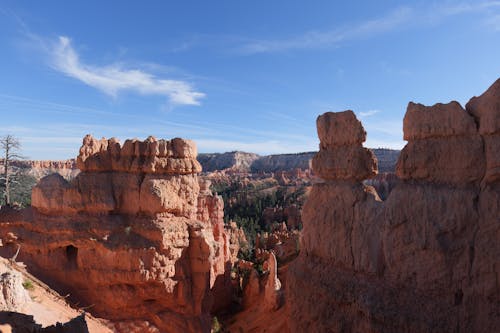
40,169
136,236
424,260
236,160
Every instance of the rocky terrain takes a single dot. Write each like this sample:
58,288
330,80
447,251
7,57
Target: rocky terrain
136,236
424,260
140,239
40,169
27,305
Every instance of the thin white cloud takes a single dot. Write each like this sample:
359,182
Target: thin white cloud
493,22
318,39
451,9
396,19
368,113
113,79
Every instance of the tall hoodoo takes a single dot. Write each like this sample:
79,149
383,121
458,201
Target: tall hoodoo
132,235
426,259
341,155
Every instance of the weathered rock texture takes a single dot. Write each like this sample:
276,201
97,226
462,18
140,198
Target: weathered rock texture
13,297
424,260
135,235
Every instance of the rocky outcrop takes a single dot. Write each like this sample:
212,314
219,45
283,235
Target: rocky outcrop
283,243
136,236
13,296
40,169
424,260
263,300
444,145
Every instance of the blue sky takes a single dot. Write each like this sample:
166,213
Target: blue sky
234,75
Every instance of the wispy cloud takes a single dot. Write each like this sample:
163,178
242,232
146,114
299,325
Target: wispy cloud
398,18
319,39
368,113
450,9
493,22
113,79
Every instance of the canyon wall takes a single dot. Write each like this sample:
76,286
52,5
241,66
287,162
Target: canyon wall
235,160
137,237
424,260
40,169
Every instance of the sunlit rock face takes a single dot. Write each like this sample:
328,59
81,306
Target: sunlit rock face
424,260
137,236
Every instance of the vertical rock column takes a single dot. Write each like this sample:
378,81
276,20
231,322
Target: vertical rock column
342,163
332,215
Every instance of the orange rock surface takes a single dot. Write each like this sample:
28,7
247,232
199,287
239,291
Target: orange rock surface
132,236
424,260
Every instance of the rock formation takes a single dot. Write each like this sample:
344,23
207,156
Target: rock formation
263,300
17,306
424,260
40,169
13,297
136,236
236,160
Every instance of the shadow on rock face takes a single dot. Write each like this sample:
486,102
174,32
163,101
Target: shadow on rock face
14,322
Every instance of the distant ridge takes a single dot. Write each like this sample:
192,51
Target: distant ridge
250,162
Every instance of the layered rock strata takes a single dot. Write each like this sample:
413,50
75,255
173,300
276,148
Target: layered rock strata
136,236
424,260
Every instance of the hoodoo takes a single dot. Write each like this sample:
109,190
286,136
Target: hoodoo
132,236
424,260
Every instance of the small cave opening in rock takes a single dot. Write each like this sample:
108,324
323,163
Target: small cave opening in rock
71,256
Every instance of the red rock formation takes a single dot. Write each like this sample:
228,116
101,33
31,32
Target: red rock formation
341,155
237,239
263,300
282,242
132,235
426,259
